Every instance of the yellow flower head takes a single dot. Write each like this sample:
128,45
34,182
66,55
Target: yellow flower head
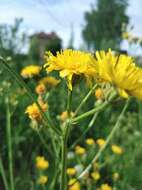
100,142
105,187
117,149
34,112
120,71
95,175
40,89
71,63
75,186
41,163
99,93
79,150
49,81
64,115
30,71
90,141
71,171
42,180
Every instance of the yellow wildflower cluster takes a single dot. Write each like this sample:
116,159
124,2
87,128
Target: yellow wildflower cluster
64,115
40,89
30,71
49,81
105,67
100,142
95,175
117,149
34,112
105,187
42,180
71,171
75,186
41,163
80,150
70,64
90,141
120,71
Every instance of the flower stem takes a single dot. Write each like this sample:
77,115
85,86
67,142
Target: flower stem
86,130
2,172
85,99
63,185
9,142
94,110
115,128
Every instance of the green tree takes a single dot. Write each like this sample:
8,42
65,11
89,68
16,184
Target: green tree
103,24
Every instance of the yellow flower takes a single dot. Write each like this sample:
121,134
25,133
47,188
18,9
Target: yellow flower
99,93
117,149
34,112
71,171
40,89
41,163
95,175
79,150
100,142
30,71
90,141
49,81
120,71
42,180
75,186
116,176
71,63
64,115
105,187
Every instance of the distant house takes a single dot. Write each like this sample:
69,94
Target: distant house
41,42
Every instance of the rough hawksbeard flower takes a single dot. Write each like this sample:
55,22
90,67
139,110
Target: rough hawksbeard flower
121,71
34,112
71,63
30,71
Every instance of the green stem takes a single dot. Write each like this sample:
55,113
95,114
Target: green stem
115,128
9,142
86,130
2,172
94,110
63,185
85,99
29,93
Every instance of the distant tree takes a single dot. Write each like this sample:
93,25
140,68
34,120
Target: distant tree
103,24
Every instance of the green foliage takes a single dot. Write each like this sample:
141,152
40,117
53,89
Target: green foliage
103,24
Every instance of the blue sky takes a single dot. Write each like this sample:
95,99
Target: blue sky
59,15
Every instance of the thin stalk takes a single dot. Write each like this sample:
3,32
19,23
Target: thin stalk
9,142
2,172
91,112
63,185
94,110
29,93
85,99
115,128
86,130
